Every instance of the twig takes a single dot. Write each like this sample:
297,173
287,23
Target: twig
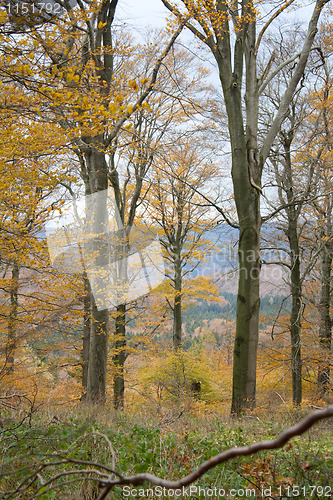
113,454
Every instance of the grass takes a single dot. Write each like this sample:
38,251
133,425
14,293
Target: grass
49,443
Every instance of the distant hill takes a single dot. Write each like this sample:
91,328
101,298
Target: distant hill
222,263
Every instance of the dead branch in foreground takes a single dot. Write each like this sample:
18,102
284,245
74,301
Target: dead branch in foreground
279,442
107,477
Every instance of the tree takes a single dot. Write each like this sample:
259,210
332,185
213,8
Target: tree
321,152
325,303
299,159
150,131
210,22
72,60
183,221
28,185
294,188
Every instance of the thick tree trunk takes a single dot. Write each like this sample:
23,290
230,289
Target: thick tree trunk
11,339
86,336
248,302
246,176
325,330
96,387
177,322
119,358
97,256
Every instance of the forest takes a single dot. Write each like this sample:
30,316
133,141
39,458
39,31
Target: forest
166,249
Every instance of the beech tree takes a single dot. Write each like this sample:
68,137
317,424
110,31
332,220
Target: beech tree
177,209
294,191
229,29
69,61
325,301
320,152
294,177
28,185
300,172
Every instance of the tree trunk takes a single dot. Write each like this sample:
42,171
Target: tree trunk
295,275
325,330
97,368
177,322
11,339
119,358
248,301
177,309
246,176
296,310
97,255
86,336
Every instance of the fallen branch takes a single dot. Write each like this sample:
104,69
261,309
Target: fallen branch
279,442
40,478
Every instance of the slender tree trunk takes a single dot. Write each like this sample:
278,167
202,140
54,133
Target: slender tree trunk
11,339
119,358
123,284
177,308
295,276
325,330
296,311
86,336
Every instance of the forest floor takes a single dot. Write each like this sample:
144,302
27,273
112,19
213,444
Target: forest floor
41,450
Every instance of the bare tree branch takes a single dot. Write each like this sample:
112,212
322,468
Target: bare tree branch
276,71
279,442
208,39
270,20
150,87
286,99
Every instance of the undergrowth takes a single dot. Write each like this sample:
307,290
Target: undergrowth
36,449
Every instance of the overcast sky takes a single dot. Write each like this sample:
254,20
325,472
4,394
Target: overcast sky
141,13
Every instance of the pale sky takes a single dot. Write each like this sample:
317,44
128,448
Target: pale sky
142,12
152,12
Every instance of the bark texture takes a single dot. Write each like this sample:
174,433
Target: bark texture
12,320
97,256
325,330
86,336
119,358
